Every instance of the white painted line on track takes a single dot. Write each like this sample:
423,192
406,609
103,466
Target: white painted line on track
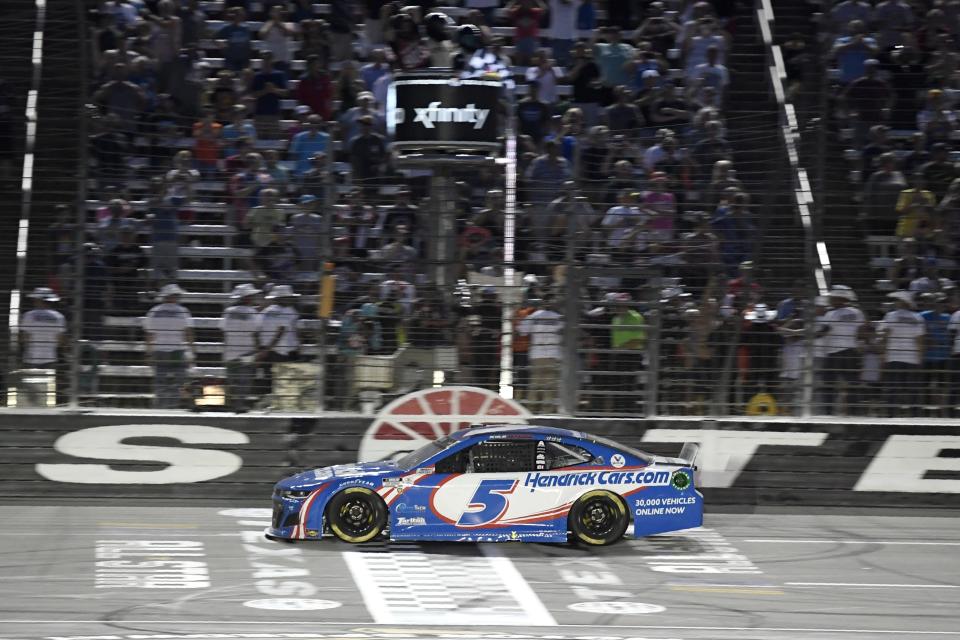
872,585
593,627
821,541
414,587
517,585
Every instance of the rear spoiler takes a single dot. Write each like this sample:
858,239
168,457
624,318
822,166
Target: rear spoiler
689,453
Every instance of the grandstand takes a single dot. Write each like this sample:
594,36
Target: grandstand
667,211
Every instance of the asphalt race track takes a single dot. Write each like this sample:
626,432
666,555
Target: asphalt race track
157,573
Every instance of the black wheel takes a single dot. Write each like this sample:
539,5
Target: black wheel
357,514
599,518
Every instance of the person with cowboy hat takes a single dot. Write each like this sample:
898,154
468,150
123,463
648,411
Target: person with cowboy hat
44,331
168,328
841,326
240,324
279,335
903,331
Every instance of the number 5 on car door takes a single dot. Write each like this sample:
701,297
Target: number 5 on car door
488,504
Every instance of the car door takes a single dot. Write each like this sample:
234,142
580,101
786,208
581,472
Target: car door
477,492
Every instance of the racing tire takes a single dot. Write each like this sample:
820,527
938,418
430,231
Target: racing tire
356,515
598,518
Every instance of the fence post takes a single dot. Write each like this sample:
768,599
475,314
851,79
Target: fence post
80,223
510,301
570,364
653,320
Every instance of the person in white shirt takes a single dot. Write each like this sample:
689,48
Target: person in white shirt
546,75
665,149
545,329
43,333
841,326
406,293
710,74
626,224
180,180
695,47
276,35
169,344
279,335
240,324
903,331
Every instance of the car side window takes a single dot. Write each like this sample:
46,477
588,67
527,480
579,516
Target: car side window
560,455
454,463
496,456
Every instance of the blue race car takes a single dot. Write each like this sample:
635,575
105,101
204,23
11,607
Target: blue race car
494,483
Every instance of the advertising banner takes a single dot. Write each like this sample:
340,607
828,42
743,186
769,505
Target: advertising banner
427,111
744,463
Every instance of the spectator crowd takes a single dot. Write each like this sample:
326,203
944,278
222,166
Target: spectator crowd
267,120
246,142
897,85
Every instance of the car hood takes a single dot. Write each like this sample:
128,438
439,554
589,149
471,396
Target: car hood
324,474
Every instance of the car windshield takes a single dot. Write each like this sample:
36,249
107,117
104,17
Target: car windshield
415,458
646,457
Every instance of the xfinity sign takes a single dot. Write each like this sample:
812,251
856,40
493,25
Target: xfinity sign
429,110
427,116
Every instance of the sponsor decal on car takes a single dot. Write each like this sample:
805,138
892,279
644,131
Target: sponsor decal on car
663,506
410,522
653,478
